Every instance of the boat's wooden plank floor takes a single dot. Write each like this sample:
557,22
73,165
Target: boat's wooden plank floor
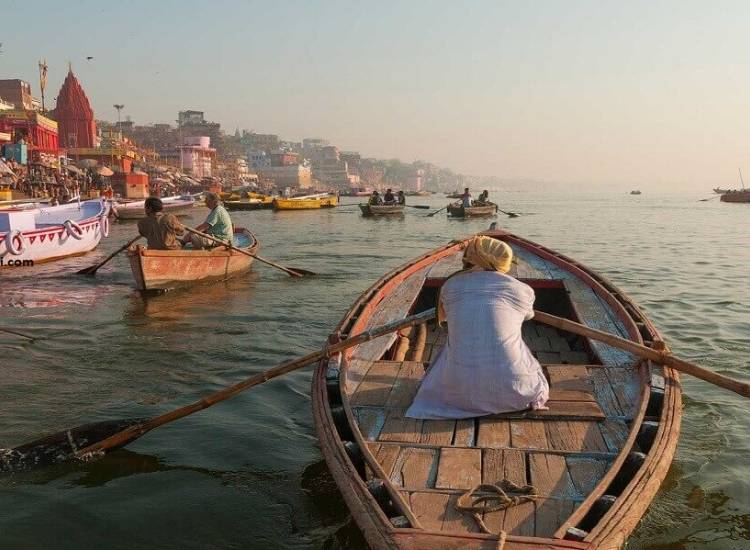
563,452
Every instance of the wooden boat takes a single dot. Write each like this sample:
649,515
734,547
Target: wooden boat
454,195
165,269
635,192
417,193
736,196
457,210
596,457
42,234
134,210
310,202
247,204
382,209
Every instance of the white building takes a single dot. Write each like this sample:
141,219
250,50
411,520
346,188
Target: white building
298,176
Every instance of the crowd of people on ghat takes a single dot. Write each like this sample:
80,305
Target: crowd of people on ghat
388,198
163,231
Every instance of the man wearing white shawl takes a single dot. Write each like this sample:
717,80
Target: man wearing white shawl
485,367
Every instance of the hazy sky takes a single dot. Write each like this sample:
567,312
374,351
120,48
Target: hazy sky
655,94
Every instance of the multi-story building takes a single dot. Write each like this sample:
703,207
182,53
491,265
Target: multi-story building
197,157
258,159
284,158
260,142
17,92
415,181
5,105
37,131
297,176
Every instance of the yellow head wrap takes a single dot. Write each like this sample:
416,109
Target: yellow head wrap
489,254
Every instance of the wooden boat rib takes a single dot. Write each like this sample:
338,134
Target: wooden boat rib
459,211
165,269
46,233
381,209
597,457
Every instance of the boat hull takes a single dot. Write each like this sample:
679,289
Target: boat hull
735,196
381,210
167,269
52,239
472,211
305,204
241,205
390,469
135,210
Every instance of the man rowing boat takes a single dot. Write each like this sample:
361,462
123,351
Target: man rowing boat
485,368
161,229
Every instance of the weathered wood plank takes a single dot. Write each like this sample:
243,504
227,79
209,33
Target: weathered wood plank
549,474
515,466
569,377
377,383
415,468
429,509
575,435
586,473
370,421
548,357
438,432
386,456
493,466
539,343
528,434
399,428
456,521
575,357
406,385
614,432
465,432
550,514
459,468
493,432
519,520
603,392
625,385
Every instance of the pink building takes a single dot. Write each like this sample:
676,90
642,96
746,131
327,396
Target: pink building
415,182
197,156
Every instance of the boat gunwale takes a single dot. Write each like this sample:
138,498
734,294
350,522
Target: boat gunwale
359,313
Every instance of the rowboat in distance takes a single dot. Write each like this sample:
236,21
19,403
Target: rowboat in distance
309,202
454,195
635,192
735,196
382,209
166,269
459,211
134,210
247,204
46,233
596,458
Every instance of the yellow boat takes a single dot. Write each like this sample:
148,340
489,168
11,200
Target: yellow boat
306,203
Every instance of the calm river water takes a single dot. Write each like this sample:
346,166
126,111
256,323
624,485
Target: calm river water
248,473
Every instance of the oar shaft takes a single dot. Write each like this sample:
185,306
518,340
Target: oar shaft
663,358
241,251
137,430
108,258
11,331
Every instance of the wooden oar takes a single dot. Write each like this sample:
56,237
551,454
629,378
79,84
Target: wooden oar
294,271
91,270
661,357
94,440
710,199
421,206
436,211
509,214
15,332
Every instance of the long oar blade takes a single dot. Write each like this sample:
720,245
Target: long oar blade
61,446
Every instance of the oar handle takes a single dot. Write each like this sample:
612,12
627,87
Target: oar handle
661,357
137,430
240,250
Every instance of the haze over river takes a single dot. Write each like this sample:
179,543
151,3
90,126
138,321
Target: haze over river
248,473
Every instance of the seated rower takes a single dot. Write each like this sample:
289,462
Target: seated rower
388,198
485,367
466,198
401,198
375,199
160,228
484,197
218,224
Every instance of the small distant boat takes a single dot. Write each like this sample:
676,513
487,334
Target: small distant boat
134,210
381,209
358,192
166,269
454,195
596,458
720,191
457,210
253,201
417,193
734,195
42,234
635,192
308,202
